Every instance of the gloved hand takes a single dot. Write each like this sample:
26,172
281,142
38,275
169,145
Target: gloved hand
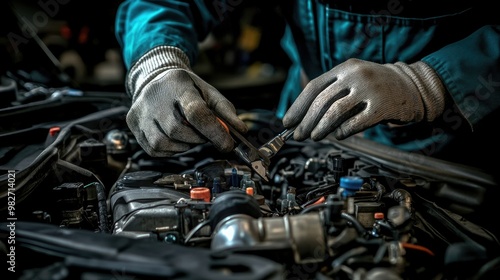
173,109
358,94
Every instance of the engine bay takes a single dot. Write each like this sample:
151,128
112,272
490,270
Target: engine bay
91,204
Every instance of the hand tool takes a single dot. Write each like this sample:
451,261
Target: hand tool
258,159
248,153
272,146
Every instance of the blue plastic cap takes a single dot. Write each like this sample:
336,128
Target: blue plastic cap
350,184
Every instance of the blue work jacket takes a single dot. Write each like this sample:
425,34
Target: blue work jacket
459,39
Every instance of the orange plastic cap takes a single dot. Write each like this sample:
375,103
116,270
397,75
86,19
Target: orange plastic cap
378,216
200,194
249,191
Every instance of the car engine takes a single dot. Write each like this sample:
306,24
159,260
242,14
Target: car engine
91,204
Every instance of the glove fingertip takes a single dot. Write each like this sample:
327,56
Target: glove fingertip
295,113
242,127
340,134
288,121
318,136
298,135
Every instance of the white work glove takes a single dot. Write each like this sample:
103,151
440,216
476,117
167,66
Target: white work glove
358,94
173,109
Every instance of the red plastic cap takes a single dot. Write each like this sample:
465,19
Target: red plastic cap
378,215
54,130
200,194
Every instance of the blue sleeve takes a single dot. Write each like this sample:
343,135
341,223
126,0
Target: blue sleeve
470,70
142,25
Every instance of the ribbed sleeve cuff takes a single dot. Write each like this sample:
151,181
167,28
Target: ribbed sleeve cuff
432,90
153,63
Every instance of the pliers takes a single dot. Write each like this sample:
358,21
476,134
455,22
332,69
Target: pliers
258,159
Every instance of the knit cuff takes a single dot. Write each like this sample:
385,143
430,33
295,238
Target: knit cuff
153,63
432,90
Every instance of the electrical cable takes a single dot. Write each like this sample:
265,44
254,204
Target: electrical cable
195,230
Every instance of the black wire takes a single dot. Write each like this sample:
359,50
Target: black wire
312,208
312,201
200,239
319,190
344,257
488,268
195,230
145,208
102,207
354,222
273,173
351,219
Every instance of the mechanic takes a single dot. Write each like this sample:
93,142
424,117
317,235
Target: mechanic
407,74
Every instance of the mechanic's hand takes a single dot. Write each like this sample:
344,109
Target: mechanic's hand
357,94
173,109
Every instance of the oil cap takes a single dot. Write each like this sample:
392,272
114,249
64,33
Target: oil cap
200,193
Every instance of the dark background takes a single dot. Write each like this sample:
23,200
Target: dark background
75,46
